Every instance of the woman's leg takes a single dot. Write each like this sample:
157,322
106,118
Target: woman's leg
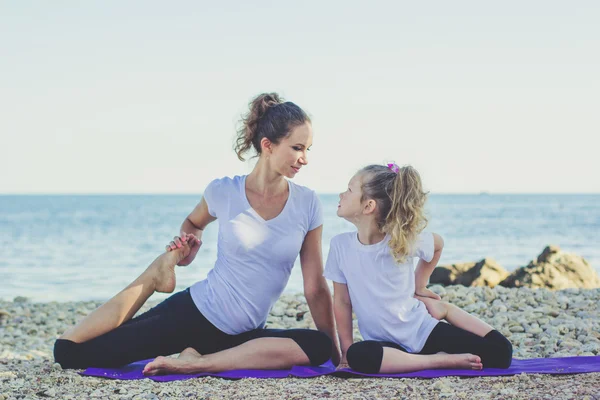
161,331
257,349
159,277
373,357
454,315
493,348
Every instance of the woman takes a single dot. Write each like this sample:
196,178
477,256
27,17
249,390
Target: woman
265,221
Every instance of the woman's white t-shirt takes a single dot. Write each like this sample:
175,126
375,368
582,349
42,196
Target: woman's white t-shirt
254,257
381,290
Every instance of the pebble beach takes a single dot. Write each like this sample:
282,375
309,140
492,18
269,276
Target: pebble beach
539,323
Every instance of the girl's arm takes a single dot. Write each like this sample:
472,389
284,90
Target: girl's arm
194,224
424,269
316,290
343,317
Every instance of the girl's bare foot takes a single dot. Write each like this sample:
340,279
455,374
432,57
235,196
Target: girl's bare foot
188,362
465,361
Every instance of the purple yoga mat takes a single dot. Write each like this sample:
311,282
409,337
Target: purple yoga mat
565,365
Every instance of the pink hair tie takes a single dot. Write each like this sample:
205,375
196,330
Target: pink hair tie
394,167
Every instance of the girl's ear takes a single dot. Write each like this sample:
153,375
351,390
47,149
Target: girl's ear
370,207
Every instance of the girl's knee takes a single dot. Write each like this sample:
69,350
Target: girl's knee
437,309
501,356
365,356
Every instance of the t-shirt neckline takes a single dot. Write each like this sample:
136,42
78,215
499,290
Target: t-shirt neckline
370,247
254,212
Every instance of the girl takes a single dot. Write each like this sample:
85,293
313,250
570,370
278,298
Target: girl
372,273
217,324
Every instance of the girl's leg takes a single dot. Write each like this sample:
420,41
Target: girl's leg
373,357
257,349
454,315
159,276
493,348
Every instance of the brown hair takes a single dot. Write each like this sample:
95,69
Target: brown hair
269,116
401,202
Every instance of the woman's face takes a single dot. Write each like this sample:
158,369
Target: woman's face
290,155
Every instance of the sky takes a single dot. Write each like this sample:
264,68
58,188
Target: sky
144,96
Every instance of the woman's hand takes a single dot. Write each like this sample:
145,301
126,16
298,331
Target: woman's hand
178,242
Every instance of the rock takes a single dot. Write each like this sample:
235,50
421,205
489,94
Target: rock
486,272
555,270
20,299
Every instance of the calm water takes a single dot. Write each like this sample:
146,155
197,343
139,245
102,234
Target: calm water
89,247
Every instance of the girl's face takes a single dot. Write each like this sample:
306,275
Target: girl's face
290,154
350,206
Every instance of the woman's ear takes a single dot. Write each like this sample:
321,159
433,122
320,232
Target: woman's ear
266,146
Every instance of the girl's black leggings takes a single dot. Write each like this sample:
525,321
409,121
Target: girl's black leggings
494,349
169,328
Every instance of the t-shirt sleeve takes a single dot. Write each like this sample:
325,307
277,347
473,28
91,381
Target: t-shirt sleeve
425,248
211,196
333,271
316,212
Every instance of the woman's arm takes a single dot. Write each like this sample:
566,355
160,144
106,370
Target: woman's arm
316,291
194,224
424,269
342,307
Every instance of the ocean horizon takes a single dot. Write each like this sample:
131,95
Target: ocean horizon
71,247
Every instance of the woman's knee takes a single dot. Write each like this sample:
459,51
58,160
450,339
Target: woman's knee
501,353
365,356
65,353
317,346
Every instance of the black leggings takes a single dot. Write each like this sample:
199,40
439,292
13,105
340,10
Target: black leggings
169,328
494,349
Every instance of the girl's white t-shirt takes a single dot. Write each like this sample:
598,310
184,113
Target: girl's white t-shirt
381,290
254,257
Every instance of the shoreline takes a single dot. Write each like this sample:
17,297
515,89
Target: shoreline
539,323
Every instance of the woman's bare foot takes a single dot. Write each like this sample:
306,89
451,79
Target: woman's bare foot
188,362
162,269
465,361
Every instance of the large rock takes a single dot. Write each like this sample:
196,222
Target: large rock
554,269
486,272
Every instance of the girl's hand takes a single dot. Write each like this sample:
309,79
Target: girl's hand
178,242
424,292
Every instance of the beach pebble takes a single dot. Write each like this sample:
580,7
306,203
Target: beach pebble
49,393
516,328
533,321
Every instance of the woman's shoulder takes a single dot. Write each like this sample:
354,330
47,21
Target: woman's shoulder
223,186
302,190
227,181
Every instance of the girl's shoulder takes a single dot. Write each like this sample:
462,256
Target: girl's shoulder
343,239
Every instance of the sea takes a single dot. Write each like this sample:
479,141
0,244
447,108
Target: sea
88,247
